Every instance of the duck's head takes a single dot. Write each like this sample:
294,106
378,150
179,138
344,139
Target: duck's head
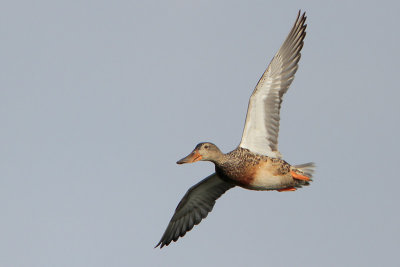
203,151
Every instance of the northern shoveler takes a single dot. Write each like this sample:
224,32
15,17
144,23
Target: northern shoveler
256,163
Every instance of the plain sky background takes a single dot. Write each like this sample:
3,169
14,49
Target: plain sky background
99,99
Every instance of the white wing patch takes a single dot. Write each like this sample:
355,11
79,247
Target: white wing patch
261,128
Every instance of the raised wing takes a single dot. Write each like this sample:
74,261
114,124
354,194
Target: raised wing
198,201
261,129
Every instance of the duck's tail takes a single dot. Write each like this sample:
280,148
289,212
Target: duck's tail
303,173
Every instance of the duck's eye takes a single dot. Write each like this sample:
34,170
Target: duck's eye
206,146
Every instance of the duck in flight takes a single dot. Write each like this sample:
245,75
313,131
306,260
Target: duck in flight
256,163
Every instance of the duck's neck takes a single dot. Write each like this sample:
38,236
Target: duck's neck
234,157
219,159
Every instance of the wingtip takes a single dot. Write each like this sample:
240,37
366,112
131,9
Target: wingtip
158,245
301,16
304,12
304,17
299,12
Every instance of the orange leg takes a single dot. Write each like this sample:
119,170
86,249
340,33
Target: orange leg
299,176
290,188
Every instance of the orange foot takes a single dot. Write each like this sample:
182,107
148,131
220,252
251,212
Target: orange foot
299,176
291,188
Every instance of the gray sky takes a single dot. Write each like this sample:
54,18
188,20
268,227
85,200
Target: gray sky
99,99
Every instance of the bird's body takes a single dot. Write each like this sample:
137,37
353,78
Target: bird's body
256,172
256,164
